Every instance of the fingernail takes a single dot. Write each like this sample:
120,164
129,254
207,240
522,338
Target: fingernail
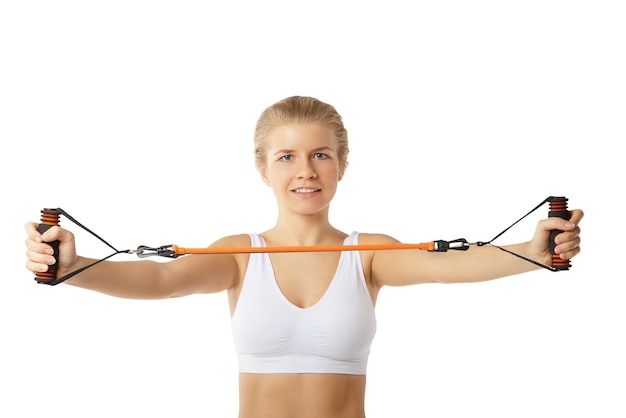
38,239
49,251
569,225
46,237
50,260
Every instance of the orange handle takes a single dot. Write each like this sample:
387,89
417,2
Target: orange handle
49,218
558,208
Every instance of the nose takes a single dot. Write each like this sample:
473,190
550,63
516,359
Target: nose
306,170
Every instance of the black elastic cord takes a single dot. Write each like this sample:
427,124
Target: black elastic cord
68,216
526,258
75,272
480,243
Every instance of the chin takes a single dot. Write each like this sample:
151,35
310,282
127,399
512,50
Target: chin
308,210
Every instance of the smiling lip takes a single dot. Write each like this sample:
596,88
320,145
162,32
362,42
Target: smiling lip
305,190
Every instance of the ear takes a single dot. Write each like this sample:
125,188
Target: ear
263,171
342,170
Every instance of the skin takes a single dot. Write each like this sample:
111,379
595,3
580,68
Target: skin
303,169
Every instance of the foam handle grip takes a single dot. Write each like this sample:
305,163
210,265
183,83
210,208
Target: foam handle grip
558,208
49,218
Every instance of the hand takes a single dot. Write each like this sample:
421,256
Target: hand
567,242
39,253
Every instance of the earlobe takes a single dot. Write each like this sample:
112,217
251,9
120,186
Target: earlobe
266,181
342,171
264,177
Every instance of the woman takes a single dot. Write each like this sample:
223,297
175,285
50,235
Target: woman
302,322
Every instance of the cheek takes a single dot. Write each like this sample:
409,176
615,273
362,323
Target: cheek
336,173
275,175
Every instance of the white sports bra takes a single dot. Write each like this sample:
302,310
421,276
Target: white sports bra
272,335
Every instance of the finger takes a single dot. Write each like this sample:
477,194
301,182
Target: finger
54,233
563,224
568,249
32,232
37,267
34,247
576,216
570,229
549,224
41,253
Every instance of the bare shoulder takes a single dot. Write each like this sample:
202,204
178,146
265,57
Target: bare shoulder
240,259
239,240
370,238
367,257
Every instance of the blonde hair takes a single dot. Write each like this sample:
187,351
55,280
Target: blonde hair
299,109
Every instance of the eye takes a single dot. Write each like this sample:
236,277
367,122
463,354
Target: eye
286,157
319,156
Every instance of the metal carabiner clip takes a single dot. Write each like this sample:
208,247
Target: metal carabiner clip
442,246
143,251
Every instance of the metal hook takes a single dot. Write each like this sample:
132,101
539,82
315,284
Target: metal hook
144,251
442,246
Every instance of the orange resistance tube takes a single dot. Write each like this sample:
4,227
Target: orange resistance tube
293,249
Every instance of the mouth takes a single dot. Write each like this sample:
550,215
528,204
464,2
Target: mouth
305,190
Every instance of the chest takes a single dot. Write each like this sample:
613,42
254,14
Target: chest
304,278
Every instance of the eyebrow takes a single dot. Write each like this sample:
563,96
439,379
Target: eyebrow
290,151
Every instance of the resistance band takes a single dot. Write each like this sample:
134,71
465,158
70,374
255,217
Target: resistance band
50,218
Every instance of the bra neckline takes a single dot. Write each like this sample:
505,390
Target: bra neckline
326,292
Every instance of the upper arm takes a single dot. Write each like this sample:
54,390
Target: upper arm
398,267
204,273
406,267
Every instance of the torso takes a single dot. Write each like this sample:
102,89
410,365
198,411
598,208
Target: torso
302,394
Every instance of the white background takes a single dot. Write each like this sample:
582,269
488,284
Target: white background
136,117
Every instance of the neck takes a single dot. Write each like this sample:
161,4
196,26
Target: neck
301,230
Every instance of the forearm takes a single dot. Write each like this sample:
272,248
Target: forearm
125,279
485,263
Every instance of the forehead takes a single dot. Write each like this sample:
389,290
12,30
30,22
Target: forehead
297,135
